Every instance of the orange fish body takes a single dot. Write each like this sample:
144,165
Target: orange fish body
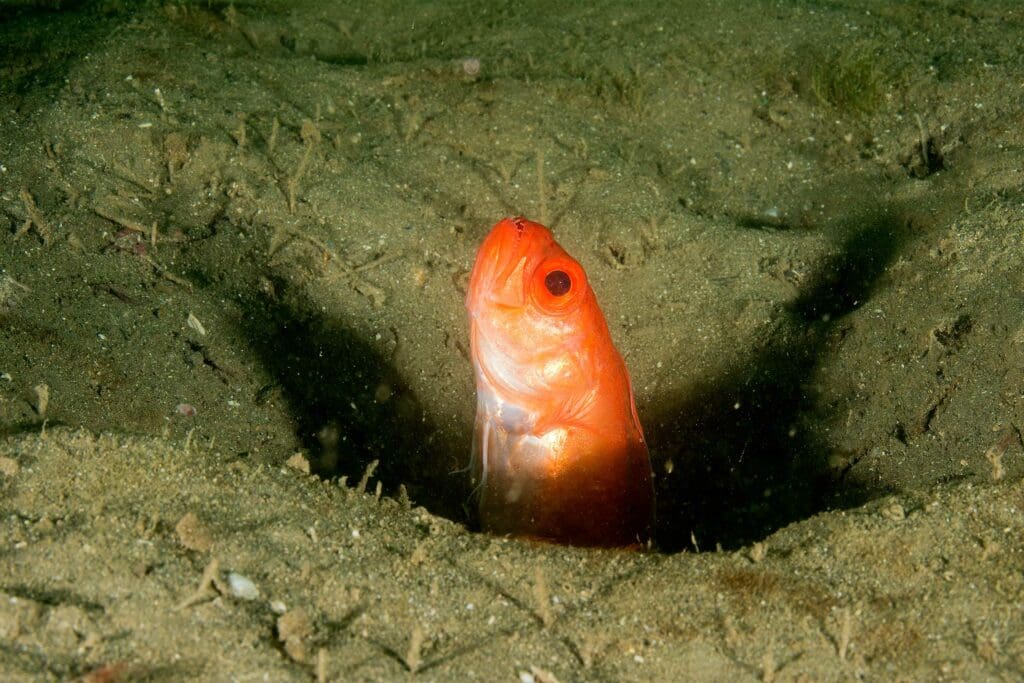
558,451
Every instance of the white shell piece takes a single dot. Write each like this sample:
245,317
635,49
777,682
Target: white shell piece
242,587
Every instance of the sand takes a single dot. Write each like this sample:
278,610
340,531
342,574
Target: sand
235,393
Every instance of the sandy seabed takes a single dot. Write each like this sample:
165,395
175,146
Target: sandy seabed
235,393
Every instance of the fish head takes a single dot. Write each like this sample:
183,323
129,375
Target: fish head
533,316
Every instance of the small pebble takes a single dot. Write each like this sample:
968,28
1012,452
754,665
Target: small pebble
193,534
9,466
299,462
471,66
894,511
242,587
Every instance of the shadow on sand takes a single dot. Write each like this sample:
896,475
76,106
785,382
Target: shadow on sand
351,408
746,458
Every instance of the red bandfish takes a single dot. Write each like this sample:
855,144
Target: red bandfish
558,452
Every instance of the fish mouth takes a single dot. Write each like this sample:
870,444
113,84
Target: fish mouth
509,246
504,262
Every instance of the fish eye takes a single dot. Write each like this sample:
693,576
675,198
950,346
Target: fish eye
558,283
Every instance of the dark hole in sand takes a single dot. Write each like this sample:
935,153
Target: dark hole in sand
743,464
